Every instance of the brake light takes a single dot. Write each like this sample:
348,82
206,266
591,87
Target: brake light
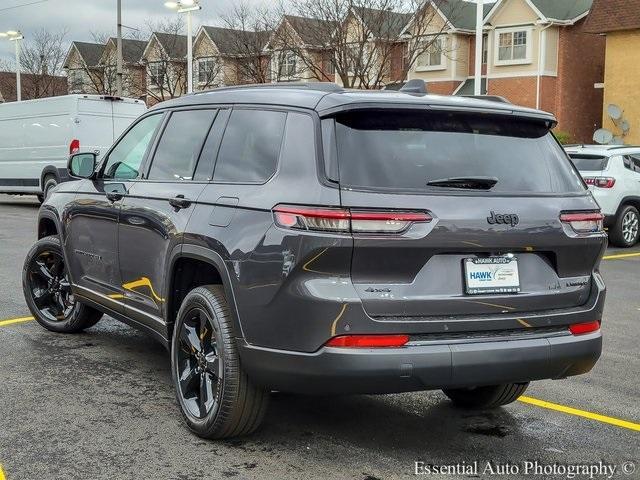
601,182
74,146
582,328
584,222
347,220
368,341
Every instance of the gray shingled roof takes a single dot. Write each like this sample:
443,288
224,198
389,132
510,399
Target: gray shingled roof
469,87
310,29
461,14
174,45
236,42
132,50
383,23
90,52
562,9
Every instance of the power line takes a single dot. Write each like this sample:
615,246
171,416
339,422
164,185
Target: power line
23,5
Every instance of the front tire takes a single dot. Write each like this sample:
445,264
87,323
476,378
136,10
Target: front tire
216,397
486,397
47,290
625,231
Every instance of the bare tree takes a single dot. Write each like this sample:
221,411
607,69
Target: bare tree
365,45
253,25
42,56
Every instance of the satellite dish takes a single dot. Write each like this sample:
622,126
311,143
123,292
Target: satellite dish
603,136
614,111
617,141
625,126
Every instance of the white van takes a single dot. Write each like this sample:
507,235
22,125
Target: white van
37,136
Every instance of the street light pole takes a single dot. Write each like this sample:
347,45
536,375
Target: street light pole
187,6
479,25
119,53
189,54
15,36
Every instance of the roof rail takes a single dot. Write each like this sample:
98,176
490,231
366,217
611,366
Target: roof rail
617,147
316,86
491,98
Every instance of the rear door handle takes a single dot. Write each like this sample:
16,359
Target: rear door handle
179,202
114,196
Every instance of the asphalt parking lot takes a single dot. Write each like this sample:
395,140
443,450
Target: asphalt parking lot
101,405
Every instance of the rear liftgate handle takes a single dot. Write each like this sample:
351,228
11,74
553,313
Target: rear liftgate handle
179,202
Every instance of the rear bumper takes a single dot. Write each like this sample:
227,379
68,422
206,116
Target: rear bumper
421,367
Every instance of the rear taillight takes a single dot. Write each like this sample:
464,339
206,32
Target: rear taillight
346,220
601,182
582,328
584,222
74,146
368,341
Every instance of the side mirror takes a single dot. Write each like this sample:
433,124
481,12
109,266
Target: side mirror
82,165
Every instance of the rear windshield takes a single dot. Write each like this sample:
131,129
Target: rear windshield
589,163
403,150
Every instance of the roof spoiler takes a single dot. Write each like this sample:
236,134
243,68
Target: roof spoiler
491,98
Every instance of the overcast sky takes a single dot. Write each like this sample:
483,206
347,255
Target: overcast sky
81,17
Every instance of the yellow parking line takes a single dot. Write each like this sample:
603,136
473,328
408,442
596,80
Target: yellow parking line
2,477
11,321
621,255
581,413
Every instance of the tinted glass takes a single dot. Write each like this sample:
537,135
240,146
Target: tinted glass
632,163
180,145
125,159
589,163
250,146
405,150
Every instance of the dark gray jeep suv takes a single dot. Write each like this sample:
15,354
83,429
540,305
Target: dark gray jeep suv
305,238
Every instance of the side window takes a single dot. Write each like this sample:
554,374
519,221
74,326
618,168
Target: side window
250,147
125,159
632,162
179,148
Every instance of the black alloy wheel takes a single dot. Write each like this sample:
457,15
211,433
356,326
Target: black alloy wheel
199,367
50,287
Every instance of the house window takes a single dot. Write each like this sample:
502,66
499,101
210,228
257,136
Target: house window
288,67
206,70
158,73
432,57
513,46
75,80
485,49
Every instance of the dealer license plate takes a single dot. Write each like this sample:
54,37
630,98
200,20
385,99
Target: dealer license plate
491,275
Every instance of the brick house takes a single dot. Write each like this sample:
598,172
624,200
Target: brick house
32,86
540,55
165,61
298,52
619,21
224,56
133,71
84,74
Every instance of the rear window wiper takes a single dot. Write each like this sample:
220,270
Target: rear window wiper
470,183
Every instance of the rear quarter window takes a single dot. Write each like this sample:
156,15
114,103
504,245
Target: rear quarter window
403,150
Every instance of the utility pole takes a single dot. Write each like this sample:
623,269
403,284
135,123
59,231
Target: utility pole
479,25
119,54
18,82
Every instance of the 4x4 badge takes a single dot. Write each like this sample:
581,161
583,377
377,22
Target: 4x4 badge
504,219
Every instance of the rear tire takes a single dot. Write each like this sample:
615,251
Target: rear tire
47,290
486,397
625,231
216,397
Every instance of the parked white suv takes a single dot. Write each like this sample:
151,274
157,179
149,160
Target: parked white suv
613,175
